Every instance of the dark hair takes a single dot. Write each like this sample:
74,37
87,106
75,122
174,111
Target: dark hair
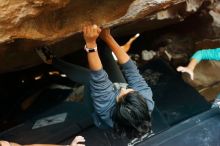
131,116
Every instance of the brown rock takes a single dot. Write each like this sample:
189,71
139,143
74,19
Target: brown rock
27,24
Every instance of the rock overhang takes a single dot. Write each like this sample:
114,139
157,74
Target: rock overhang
29,24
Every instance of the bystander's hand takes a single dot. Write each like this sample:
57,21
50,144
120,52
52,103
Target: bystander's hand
4,143
186,70
78,140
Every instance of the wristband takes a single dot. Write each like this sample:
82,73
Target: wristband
89,50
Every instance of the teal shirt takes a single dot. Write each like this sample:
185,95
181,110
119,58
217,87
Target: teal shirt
209,54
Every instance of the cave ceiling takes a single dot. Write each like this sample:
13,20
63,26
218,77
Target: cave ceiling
27,24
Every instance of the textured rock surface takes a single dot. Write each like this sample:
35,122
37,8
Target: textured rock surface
54,19
201,31
207,72
27,24
18,19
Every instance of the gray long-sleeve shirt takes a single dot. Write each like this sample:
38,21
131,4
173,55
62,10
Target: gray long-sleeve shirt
104,92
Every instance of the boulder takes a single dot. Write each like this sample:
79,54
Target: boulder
27,24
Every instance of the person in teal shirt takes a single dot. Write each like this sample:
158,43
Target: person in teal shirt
207,54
